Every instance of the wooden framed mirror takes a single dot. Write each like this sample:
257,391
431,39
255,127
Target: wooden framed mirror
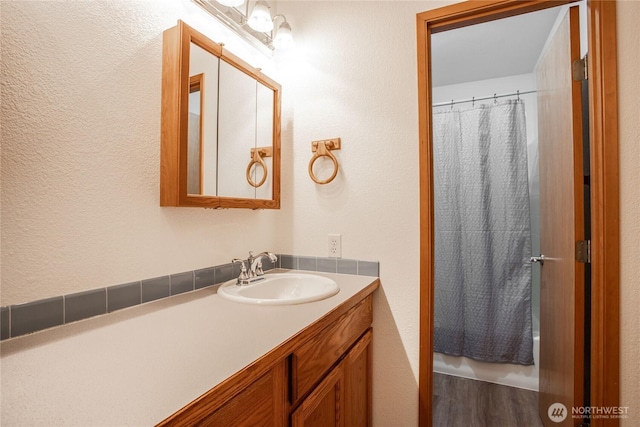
220,143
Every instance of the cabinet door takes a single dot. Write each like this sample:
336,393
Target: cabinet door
343,397
357,379
323,407
260,403
313,359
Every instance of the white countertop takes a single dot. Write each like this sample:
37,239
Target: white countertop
139,365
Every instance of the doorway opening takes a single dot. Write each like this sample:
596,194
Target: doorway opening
603,347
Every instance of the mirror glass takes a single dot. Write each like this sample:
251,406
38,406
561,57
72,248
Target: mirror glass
203,122
194,179
220,143
230,115
236,131
264,138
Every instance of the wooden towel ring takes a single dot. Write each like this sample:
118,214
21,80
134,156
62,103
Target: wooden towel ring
256,159
323,149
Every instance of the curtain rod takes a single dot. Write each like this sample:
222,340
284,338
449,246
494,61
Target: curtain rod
484,98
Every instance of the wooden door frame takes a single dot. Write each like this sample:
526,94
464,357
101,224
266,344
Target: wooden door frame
603,132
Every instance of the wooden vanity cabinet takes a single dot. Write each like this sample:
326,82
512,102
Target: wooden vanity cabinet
240,401
320,377
343,397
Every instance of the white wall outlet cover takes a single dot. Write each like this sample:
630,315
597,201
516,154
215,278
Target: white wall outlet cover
335,246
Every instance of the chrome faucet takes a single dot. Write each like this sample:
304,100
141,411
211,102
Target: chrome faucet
243,278
247,277
255,263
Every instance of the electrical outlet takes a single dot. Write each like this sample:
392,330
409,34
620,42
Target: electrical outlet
335,246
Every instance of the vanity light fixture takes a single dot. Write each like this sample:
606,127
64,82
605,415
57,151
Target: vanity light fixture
284,39
231,3
260,19
258,27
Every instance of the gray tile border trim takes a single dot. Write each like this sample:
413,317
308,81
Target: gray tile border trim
347,266
181,283
204,277
37,315
21,319
123,296
86,304
368,268
5,332
328,265
156,288
308,263
288,261
224,273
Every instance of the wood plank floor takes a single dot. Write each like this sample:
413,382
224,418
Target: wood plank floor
470,403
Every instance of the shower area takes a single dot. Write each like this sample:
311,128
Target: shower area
486,199
487,204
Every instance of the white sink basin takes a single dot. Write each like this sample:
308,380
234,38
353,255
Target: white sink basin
280,289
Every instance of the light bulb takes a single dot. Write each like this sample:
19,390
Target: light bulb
284,39
230,3
260,19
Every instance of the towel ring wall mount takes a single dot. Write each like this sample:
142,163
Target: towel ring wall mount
323,149
257,156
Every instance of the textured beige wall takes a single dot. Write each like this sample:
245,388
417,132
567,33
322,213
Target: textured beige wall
629,126
80,155
355,77
81,85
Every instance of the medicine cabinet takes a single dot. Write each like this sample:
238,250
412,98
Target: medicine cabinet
220,144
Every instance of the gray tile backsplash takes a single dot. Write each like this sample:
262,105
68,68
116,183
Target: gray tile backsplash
123,296
85,304
328,265
205,277
368,268
307,263
225,273
4,323
288,261
181,283
34,316
153,289
347,266
331,265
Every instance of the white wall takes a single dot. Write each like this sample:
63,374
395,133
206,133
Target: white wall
81,86
80,162
354,76
628,16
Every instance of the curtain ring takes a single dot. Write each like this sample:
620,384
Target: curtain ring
256,160
323,151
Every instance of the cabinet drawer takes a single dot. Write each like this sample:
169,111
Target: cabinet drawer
313,359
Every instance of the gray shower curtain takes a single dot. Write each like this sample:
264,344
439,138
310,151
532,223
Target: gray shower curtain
482,234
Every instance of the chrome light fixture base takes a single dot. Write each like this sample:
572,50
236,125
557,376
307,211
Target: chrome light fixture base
238,21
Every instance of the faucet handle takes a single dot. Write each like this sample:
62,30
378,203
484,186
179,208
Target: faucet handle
259,271
243,269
